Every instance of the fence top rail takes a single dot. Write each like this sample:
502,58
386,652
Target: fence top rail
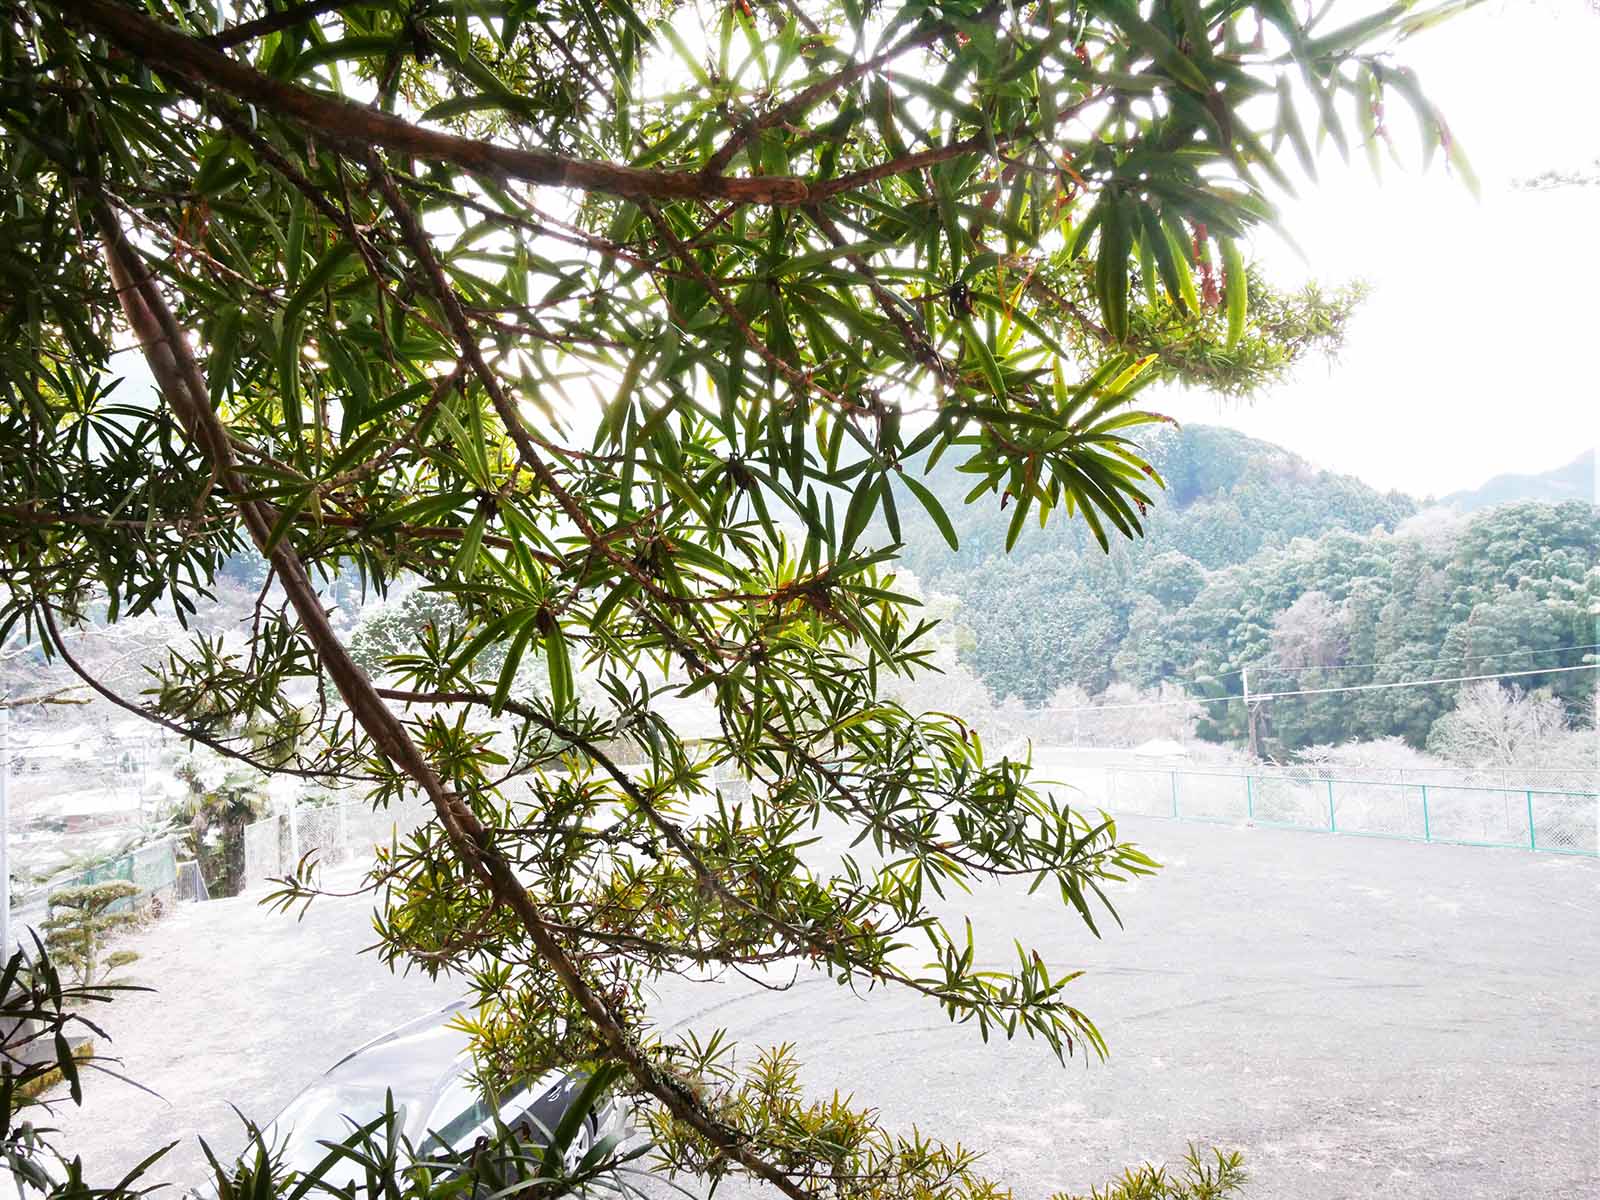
1514,789
157,851
1164,771
1154,764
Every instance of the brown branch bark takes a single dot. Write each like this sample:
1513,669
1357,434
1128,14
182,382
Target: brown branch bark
334,119
273,22
357,128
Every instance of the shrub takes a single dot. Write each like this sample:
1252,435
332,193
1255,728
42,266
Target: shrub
80,922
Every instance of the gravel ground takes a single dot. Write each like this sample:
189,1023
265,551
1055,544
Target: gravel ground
1362,1018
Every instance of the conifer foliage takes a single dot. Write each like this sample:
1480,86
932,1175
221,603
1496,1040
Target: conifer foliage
616,323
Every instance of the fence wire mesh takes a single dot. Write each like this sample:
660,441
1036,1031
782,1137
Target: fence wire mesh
191,882
153,869
1551,820
333,834
1533,819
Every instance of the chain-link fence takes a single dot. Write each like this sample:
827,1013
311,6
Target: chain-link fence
338,833
1539,818
333,833
153,868
191,883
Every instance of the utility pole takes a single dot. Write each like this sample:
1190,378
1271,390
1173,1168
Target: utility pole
1252,733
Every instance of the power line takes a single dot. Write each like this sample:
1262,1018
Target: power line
1355,687
1265,666
1373,687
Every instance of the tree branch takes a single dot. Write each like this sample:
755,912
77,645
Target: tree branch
797,104
47,614
273,22
977,143
359,128
59,696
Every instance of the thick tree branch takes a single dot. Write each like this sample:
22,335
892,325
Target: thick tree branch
359,128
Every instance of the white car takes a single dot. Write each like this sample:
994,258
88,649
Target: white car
427,1065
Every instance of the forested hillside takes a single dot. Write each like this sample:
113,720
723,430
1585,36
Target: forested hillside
1227,497
1254,558
1499,591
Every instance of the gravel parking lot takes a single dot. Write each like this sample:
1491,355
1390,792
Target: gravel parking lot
1362,1018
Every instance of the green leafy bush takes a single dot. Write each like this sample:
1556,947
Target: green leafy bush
82,919
1200,1178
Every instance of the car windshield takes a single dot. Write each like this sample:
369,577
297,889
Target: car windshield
460,1112
330,1113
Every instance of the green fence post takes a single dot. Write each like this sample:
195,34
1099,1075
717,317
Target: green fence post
1174,793
1427,832
1533,842
1333,823
1250,797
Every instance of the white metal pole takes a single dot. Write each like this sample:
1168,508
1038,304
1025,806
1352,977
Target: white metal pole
294,841
5,833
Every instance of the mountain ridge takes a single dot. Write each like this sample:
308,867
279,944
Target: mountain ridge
1572,481
1214,476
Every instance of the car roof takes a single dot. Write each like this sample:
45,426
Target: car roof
412,1059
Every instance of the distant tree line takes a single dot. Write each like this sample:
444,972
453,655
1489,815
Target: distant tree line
1254,559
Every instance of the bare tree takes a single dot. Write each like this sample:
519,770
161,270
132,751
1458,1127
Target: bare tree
1493,725
1311,632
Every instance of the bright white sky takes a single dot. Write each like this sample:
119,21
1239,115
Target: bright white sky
1474,354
